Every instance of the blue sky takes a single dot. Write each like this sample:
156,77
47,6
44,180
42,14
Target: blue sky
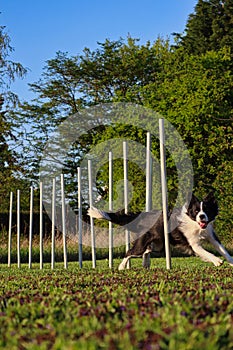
40,28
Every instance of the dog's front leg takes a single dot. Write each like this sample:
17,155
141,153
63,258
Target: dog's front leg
221,249
206,256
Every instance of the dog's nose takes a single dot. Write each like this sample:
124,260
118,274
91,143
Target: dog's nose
202,217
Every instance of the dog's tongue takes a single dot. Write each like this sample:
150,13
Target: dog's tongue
203,224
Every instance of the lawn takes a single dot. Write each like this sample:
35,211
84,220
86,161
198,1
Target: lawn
188,307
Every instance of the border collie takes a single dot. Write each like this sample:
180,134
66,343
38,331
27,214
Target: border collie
193,223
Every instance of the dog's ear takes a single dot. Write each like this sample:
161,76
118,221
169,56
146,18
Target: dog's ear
212,202
210,197
194,199
191,199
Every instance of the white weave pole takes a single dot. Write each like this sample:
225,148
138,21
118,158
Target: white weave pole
41,225
30,229
148,180
53,224
126,194
18,229
164,191
148,173
10,229
93,249
80,244
110,191
63,205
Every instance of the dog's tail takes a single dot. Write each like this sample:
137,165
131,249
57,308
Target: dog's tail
119,217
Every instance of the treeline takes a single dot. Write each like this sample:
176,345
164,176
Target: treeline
189,80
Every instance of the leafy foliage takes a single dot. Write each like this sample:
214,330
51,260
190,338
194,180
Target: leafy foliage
9,70
9,158
195,99
209,27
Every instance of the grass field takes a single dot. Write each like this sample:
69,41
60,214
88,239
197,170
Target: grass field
188,307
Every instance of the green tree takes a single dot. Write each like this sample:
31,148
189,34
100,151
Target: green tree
196,97
9,159
210,27
209,37
115,71
194,92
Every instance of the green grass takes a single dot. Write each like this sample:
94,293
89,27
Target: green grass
188,307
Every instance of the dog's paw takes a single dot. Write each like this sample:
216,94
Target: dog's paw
218,262
121,267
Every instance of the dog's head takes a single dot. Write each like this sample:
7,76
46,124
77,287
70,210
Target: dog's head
204,211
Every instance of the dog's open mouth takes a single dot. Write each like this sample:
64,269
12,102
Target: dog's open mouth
203,224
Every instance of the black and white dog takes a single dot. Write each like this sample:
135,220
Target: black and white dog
191,225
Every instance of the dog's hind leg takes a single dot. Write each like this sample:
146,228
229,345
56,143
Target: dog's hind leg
124,262
146,258
157,246
142,247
